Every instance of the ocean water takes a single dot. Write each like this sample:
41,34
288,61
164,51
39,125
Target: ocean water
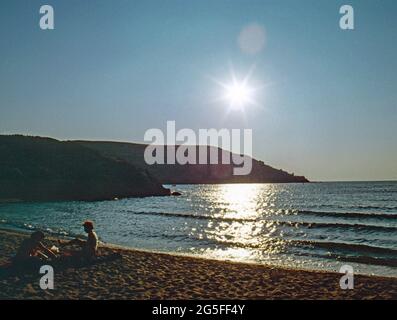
316,226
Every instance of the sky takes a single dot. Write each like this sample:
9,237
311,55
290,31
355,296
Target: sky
325,99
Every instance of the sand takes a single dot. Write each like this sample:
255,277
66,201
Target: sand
148,275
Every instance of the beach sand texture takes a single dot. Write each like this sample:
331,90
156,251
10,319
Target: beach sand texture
148,275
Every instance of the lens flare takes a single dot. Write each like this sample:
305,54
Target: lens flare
238,94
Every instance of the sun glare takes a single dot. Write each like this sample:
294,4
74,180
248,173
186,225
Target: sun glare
238,95
238,92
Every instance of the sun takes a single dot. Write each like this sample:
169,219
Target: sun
238,94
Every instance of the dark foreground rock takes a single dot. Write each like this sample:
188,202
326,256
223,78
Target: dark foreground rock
44,169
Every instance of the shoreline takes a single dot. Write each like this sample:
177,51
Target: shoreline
127,248
54,237
142,274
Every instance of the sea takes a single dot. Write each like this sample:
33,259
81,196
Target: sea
321,226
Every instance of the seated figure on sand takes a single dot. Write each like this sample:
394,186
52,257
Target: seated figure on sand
32,252
89,247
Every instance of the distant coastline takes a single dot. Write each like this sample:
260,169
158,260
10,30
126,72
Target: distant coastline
133,153
46,169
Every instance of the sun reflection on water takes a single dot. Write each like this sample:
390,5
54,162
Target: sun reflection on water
240,199
242,234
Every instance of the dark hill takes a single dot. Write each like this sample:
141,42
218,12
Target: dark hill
190,173
41,169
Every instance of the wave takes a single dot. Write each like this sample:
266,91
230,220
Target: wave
356,248
369,260
279,243
266,219
392,262
375,207
304,224
384,216
355,226
192,216
390,216
359,206
311,244
19,226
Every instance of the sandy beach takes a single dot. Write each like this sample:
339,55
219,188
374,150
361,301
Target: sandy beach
148,275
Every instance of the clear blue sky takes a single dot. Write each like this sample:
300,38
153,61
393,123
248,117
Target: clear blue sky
113,69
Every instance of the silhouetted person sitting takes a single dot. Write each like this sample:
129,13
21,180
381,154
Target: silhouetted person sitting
32,252
89,247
